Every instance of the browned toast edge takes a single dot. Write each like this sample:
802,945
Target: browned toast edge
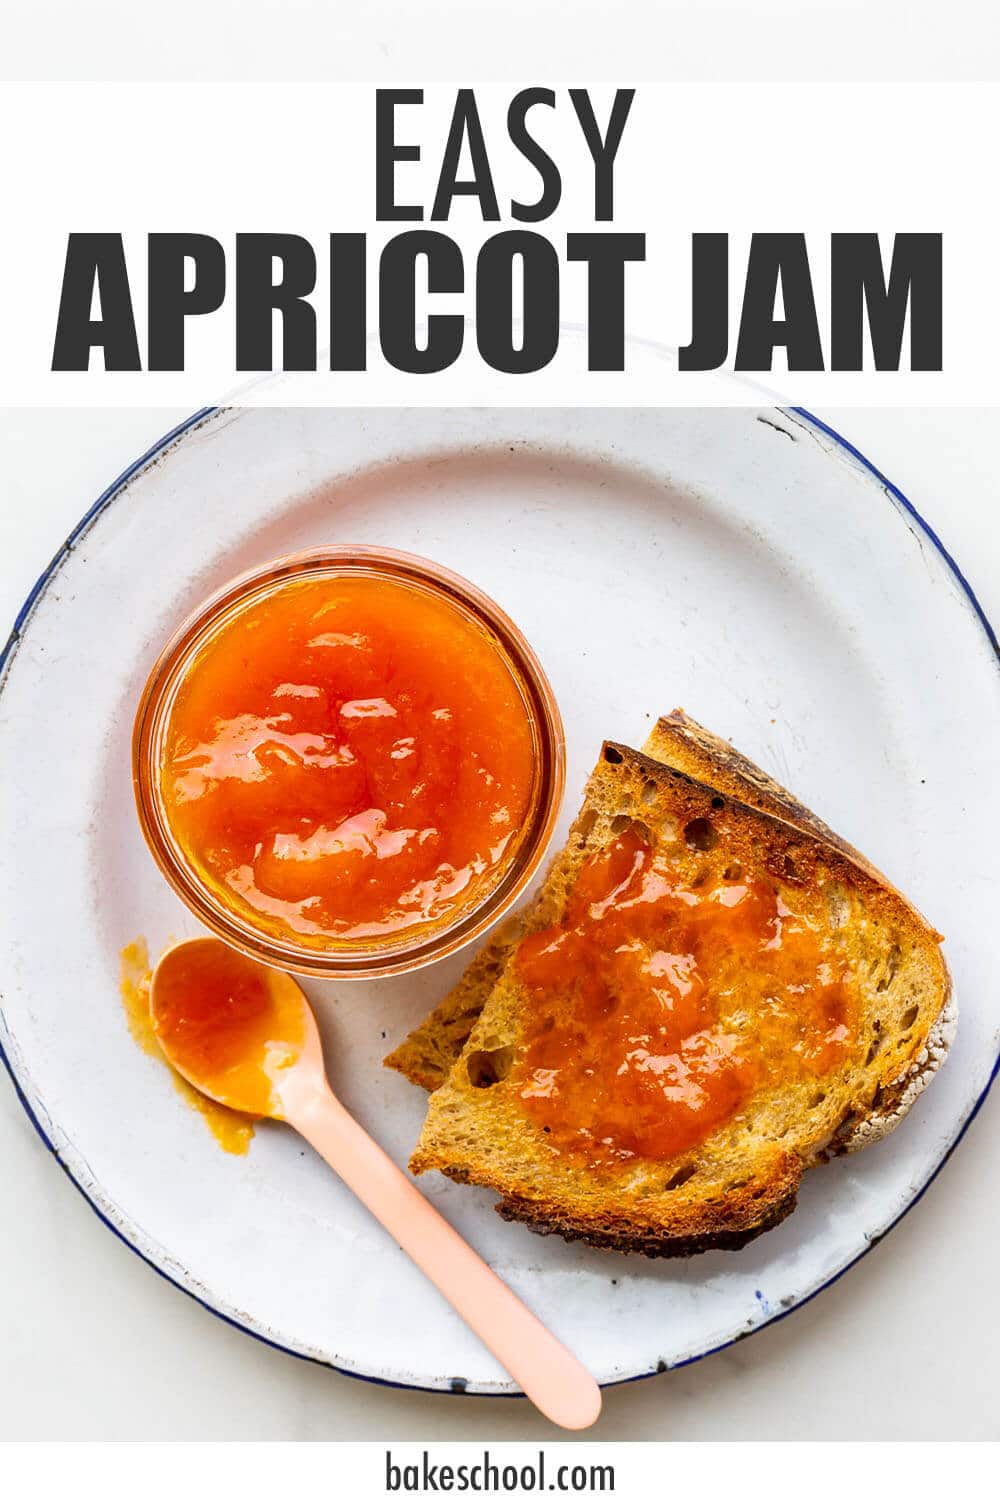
610,1230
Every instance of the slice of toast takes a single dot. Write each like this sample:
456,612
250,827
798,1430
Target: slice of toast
429,1052
742,1176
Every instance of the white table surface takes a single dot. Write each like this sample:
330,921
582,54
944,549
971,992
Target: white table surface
94,1345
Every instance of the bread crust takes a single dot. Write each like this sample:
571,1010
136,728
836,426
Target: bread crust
610,1234
669,1223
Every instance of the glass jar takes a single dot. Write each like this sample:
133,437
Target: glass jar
337,957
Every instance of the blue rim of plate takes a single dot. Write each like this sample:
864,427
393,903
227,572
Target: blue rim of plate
894,493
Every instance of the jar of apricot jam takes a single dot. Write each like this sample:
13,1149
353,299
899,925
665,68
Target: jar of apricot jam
348,763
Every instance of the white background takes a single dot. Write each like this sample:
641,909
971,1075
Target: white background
94,1345
530,40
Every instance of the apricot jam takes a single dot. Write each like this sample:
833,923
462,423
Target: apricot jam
348,759
224,1026
659,1008
232,1130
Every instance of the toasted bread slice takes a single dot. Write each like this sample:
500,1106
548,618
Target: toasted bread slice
679,741
742,1177
429,1052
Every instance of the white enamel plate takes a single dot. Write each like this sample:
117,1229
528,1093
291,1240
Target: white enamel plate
745,565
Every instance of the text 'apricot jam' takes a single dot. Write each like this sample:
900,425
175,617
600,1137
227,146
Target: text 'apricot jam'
348,759
659,1008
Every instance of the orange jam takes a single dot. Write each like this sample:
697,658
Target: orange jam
232,1130
225,1026
659,1008
349,759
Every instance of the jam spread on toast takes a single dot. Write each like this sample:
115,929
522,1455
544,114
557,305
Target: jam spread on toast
349,759
659,1006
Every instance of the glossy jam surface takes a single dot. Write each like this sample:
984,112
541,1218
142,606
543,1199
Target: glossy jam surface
658,1008
226,1025
233,1131
349,759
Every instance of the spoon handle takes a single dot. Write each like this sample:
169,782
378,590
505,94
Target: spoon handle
543,1367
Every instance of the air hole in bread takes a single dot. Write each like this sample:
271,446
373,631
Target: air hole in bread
877,1097
889,974
873,1051
488,1068
648,793
907,1020
817,1100
733,871
790,869
700,834
612,756
585,827
680,1177
619,824
718,802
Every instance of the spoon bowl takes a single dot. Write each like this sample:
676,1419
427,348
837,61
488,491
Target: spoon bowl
234,1029
246,1036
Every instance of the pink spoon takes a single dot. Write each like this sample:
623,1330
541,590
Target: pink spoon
259,1051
